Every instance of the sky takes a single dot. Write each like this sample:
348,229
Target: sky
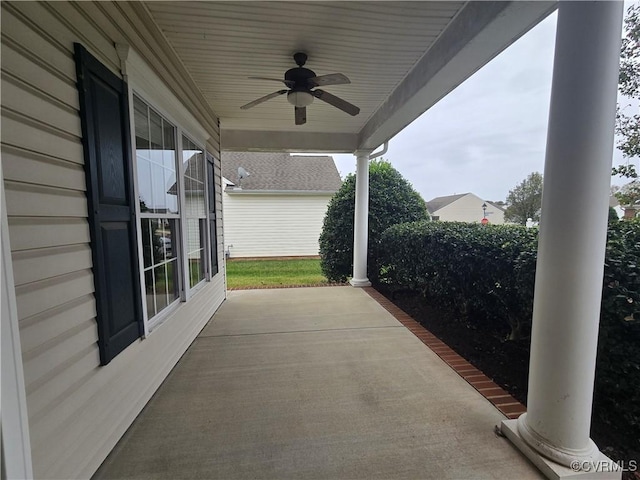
487,135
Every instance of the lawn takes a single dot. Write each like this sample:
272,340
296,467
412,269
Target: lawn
274,273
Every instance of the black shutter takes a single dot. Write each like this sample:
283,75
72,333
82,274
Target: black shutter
211,180
104,111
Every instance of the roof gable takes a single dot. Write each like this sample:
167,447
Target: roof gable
437,203
282,172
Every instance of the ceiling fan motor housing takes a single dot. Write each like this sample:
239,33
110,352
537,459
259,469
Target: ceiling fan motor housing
299,76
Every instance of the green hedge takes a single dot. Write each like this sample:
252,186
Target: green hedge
475,269
491,269
486,274
617,389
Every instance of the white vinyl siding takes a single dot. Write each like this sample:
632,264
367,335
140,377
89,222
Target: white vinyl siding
77,409
268,225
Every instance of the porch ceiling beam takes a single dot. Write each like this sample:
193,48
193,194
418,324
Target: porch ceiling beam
265,141
479,33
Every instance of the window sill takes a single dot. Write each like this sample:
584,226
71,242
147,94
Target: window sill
159,319
196,288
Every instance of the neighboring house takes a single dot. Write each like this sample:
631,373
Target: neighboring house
626,212
279,208
464,207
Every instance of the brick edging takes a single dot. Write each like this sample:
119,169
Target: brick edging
267,287
503,401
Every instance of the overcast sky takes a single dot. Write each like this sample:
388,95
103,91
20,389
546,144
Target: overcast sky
487,135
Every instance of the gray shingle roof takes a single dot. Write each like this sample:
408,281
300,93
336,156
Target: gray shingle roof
281,171
499,207
437,203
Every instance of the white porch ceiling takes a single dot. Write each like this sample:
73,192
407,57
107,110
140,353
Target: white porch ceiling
401,58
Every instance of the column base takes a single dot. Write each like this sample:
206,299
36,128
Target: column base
601,468
360,282
563,456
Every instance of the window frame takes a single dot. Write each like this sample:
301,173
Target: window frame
212,269
152,323
187,279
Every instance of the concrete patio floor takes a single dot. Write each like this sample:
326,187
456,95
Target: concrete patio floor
313,383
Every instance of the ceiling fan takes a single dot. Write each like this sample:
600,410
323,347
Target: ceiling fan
301,83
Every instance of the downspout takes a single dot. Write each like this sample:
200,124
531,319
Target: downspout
385,147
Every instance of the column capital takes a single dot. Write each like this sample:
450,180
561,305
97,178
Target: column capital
363,153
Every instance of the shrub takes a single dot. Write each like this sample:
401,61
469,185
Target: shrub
391,200
621,294
617,395
469,267
613,215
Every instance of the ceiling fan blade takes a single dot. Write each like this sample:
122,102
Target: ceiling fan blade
288,83
263,99
301,115
336,102
330,79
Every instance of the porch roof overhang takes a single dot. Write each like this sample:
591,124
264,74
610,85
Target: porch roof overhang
401,57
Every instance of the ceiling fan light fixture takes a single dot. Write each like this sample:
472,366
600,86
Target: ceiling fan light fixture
299,98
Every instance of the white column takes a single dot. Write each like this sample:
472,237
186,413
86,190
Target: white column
573,229
361,221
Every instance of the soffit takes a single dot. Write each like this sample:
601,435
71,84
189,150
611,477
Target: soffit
378,45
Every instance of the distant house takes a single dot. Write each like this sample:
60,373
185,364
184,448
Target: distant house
464,207
615,204
278,209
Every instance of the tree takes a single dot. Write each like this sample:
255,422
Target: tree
629,198
392,200
525,200
628,125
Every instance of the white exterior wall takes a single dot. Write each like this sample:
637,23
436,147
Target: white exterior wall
469,209
77,409
270,225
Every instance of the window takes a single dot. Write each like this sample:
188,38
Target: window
172,208
195,209
156,165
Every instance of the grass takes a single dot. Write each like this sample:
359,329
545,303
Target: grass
274,273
